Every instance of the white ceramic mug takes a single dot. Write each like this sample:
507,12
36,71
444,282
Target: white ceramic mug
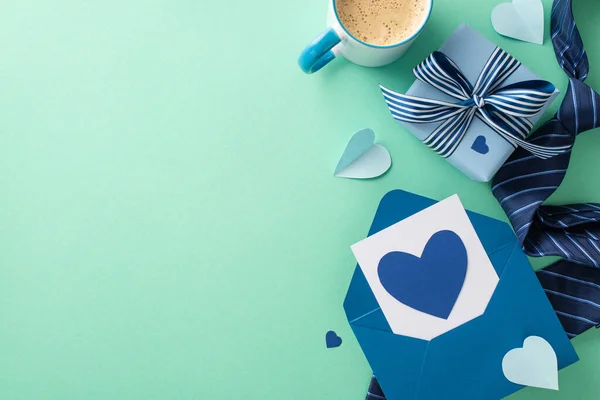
337,41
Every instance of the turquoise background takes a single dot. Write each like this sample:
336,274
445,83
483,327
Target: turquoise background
169,224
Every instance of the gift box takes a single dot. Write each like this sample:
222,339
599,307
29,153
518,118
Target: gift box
482,150
424,341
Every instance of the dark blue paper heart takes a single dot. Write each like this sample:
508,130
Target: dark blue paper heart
332,340
432,283
480,146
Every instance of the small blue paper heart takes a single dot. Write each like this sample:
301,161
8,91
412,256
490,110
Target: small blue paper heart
432,283
480,146
332,340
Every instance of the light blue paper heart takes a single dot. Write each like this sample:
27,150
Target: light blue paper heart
534,364
520,19
362,158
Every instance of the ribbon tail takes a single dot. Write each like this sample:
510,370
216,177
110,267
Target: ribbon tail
419,110
445,139
514,130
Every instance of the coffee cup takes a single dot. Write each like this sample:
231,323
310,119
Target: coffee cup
371,33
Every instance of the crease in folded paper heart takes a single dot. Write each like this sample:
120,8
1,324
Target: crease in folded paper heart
363,158
520,19
534,364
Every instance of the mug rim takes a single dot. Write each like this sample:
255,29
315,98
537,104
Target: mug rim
405,41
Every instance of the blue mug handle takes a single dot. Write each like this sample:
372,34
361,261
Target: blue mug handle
320,52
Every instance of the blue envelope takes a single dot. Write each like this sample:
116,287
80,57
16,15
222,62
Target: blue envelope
466,362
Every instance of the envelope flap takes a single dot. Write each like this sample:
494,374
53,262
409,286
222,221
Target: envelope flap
409,368
518,309
501,257
389,352
362,309
493,234
361,306
396,206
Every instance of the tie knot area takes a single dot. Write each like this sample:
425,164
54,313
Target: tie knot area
479,101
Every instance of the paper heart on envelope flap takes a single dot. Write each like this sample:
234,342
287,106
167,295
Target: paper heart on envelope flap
534,364
431,283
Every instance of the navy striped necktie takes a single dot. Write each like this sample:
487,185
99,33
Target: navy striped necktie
571,232
524,182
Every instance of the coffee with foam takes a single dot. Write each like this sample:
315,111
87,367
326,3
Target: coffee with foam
382,22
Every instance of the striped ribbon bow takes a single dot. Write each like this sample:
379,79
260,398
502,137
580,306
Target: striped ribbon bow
504,109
